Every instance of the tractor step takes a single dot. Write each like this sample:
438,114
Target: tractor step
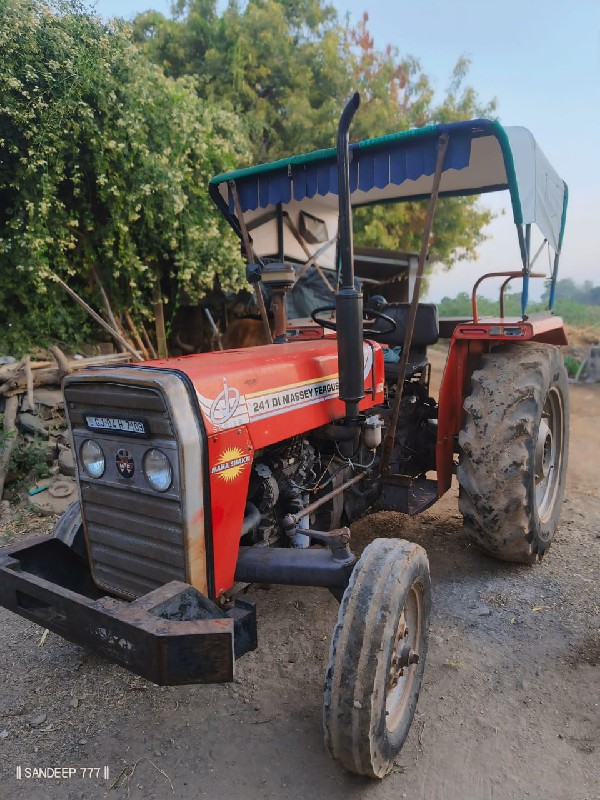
409,497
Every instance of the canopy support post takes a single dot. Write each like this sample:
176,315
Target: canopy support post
260,300
538,253
390,437
280,247
553,281
522,246
525,290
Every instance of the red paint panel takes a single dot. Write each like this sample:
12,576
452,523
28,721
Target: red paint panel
230,455
455,385
469,339
549,330
542,327
277,391
450,412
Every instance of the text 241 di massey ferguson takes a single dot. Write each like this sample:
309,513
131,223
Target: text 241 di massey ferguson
200,475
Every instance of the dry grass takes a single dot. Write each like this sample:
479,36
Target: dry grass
582,336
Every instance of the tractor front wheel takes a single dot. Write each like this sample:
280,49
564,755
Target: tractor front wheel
377,657
514,449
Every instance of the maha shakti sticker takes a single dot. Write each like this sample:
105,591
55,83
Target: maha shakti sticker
230,464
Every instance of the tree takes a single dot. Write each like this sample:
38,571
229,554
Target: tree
567,289
104,163
278,63
286,68
397,95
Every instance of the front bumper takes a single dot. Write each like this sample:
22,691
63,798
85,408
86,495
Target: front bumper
172,635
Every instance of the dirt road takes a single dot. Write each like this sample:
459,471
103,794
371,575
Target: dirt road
510,707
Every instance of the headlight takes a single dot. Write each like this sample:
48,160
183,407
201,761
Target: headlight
157,470
92,458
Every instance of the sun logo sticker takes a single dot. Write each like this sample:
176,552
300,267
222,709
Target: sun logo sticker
230,464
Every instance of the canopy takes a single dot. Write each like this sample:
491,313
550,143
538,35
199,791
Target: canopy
482,156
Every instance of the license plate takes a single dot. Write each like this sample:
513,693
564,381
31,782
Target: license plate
117,424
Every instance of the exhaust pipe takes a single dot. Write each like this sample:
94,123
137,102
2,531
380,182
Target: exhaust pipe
348,301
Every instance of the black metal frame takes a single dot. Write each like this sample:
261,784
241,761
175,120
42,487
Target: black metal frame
348,300
172,635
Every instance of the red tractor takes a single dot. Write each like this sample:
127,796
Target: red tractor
202,474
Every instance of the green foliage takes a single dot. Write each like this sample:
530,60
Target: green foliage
27,462
573,312
572,365
279,64
110,133
457,230
567,289
104,163
286,68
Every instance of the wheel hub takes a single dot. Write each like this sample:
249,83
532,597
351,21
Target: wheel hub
548,454
404,657
401,656
543,452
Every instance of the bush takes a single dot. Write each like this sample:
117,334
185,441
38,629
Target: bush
104,164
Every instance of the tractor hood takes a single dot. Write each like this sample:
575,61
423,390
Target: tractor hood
275,391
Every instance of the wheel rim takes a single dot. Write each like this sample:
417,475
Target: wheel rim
405,656
549,454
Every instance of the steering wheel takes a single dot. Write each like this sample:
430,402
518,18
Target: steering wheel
368,314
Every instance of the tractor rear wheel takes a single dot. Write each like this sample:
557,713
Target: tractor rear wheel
377,657
514,450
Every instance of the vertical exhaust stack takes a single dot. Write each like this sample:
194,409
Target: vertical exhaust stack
348,301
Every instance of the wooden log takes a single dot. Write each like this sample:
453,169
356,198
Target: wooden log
136,336
96,361
216,333
10,436
8,370
16,383
159,321
97,318
148,341
29,382
63,365
41,364
107,307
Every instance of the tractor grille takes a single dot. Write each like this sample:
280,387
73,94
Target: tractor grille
135,534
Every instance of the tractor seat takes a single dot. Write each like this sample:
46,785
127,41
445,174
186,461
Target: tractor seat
426,332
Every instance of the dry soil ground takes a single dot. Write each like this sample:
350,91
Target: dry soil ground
509,709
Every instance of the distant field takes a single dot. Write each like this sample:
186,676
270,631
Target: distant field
575,314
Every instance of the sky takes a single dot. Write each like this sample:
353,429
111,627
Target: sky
541,61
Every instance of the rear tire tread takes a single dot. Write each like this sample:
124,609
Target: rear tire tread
497,449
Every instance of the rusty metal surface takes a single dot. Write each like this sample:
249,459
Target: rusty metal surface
509,277
172,635
410,497
329,496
